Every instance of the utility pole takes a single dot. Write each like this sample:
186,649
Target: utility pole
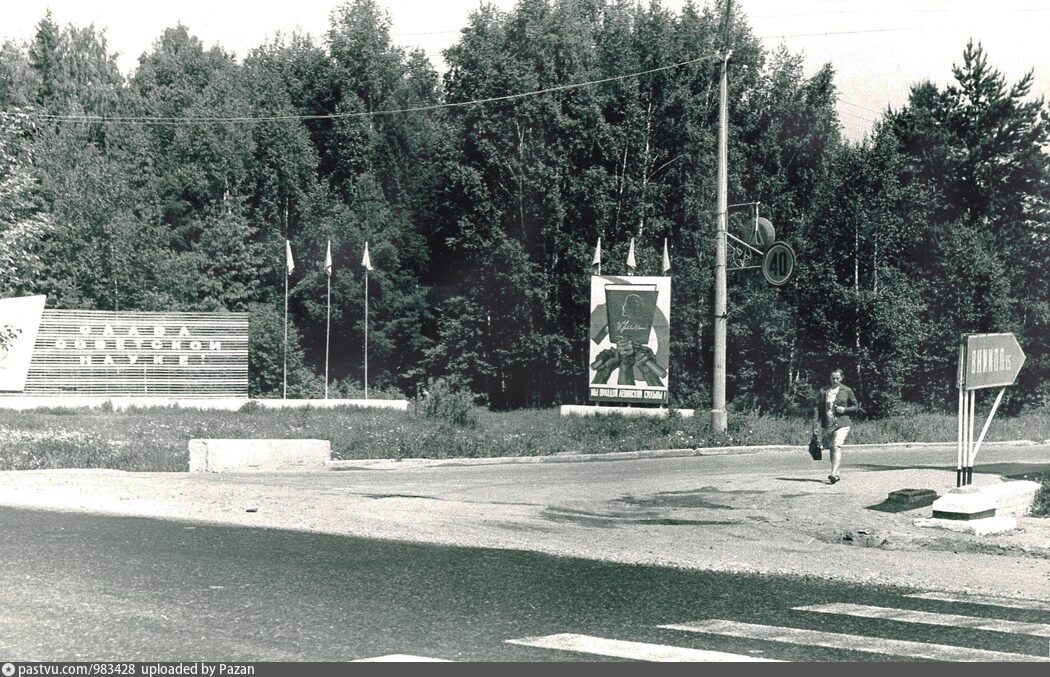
718,392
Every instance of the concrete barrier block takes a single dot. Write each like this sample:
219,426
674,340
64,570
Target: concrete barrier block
264,455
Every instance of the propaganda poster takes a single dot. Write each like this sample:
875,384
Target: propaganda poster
629,339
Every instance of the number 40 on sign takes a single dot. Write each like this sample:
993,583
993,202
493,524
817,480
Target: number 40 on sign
778,263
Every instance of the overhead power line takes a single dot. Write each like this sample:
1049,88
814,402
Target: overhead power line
859,117
155,120
810,35
870,110
449,32
190,120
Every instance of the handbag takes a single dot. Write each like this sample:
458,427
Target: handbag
814,447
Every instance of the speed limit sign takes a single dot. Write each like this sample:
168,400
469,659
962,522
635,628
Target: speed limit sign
779,263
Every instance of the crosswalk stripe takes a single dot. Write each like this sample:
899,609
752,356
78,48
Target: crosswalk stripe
894,647
984,600
639,651
929,618
400,658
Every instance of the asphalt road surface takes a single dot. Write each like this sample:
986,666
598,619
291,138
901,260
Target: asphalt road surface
77,587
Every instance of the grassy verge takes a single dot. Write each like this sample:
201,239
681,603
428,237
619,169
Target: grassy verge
156,439
1041,508
1041,505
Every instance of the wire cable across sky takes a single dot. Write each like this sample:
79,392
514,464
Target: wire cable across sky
190,120
156,120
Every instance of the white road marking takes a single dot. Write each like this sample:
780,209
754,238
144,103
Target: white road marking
638,651
984,600
400,658
893,647
929,618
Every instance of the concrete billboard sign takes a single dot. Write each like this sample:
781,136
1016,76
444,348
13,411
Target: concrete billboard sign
122,354
630,339
19,324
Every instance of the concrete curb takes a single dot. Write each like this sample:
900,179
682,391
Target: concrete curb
31,402
392,463
404,463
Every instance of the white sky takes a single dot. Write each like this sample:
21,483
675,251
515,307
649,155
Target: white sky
891,44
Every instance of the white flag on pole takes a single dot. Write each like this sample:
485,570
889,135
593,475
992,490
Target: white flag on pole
631,263
328,259
666,267
288,256
366,261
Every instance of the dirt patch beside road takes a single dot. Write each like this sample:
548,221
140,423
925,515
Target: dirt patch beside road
644,512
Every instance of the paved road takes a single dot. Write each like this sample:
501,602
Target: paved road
764,512
82,587
1003,460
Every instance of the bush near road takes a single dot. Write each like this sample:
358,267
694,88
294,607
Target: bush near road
1042,500
156,439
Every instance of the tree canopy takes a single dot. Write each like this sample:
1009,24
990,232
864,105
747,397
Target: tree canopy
482,192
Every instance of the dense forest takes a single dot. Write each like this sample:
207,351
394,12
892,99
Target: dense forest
174,187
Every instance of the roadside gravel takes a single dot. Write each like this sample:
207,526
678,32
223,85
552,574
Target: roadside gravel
632,512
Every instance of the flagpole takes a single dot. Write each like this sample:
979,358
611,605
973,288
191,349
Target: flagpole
328,333
366,261
285,391
366,333
288,265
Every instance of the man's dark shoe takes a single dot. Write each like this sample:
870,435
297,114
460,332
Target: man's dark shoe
832,479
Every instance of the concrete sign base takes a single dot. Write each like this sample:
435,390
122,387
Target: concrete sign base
586,410
1006,499
979,527
966,503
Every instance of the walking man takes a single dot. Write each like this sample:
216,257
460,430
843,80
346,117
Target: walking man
831,411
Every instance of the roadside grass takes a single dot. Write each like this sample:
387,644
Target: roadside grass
157,439
1041,504
1041,507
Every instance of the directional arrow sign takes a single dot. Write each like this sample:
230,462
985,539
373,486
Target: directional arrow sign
991,360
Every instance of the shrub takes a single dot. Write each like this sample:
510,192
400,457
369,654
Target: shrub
266,357
669,424
1041,507
448,400
352,389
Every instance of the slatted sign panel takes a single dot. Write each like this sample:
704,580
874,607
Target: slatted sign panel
140,354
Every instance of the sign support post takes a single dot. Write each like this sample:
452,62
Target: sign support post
984,430
969,437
